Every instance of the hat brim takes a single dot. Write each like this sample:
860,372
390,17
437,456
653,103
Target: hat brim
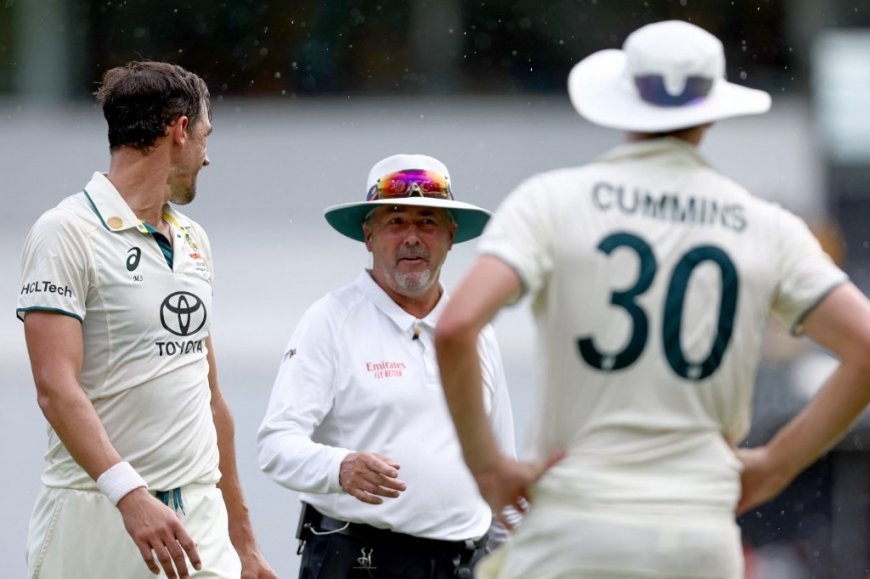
347,218
601,92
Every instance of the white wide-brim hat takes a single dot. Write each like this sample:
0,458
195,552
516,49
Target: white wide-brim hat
348,218
669,75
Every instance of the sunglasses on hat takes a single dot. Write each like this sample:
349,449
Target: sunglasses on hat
409,183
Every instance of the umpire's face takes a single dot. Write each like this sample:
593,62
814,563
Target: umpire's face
409,245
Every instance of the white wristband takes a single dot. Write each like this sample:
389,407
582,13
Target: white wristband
118,480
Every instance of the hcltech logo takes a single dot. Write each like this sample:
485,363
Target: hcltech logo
182,313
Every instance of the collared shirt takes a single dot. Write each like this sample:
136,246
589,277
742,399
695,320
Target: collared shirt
355,378
651,278
144,326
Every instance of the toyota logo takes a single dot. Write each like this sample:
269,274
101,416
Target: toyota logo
182,313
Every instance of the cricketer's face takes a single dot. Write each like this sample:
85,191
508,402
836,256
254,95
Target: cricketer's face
192,158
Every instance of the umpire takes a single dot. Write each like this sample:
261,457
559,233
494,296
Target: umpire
357,420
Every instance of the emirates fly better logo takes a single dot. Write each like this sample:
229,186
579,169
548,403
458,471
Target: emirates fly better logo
182,313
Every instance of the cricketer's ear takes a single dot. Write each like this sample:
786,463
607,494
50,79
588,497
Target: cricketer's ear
177,129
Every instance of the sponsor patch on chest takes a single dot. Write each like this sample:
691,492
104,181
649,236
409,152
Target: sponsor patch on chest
384,369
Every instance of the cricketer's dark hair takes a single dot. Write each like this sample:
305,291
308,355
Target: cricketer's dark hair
142,98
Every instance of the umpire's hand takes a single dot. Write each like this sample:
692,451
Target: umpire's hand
369,476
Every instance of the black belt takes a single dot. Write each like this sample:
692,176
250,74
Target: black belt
313,522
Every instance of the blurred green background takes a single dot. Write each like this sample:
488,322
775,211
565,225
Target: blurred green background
59,48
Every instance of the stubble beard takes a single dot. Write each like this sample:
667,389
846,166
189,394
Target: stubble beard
413,282
183,194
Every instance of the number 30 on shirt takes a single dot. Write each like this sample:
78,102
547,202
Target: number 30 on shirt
673,309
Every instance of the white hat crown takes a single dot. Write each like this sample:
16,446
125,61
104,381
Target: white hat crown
676,51
668,76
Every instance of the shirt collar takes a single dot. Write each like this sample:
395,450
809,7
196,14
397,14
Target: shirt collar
113,211
405,322
677,148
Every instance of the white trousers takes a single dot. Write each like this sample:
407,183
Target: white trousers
78,534
560,541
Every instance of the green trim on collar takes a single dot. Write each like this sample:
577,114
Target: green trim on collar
162,242
94,207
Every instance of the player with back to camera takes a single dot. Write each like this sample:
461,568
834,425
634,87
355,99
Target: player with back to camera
651,277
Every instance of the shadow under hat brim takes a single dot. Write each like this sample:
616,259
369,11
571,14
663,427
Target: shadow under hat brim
348,218
601,92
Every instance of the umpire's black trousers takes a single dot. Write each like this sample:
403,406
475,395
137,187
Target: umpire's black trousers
337,550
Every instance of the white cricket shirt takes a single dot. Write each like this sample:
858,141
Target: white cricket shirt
144,327
651,278
353,378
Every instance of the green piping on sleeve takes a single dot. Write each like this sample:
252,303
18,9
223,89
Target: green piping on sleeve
19,313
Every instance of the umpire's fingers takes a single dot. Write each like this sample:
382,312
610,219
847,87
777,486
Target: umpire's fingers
365,496
381,465
387,460
383,473
388,486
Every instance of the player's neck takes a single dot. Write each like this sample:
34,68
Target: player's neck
141,179
691,135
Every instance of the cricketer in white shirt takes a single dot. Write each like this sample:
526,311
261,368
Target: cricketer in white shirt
651,295
650,278
144,329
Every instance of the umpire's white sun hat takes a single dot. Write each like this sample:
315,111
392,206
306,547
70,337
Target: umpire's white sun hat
417,180
669,75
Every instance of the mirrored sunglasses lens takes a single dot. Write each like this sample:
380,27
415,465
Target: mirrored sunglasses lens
402,183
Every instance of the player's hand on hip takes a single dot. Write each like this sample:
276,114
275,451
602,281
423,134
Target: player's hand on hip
505,482
159,534
369,476
761,479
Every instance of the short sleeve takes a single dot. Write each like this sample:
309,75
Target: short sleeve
807,274
55,268
519,234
